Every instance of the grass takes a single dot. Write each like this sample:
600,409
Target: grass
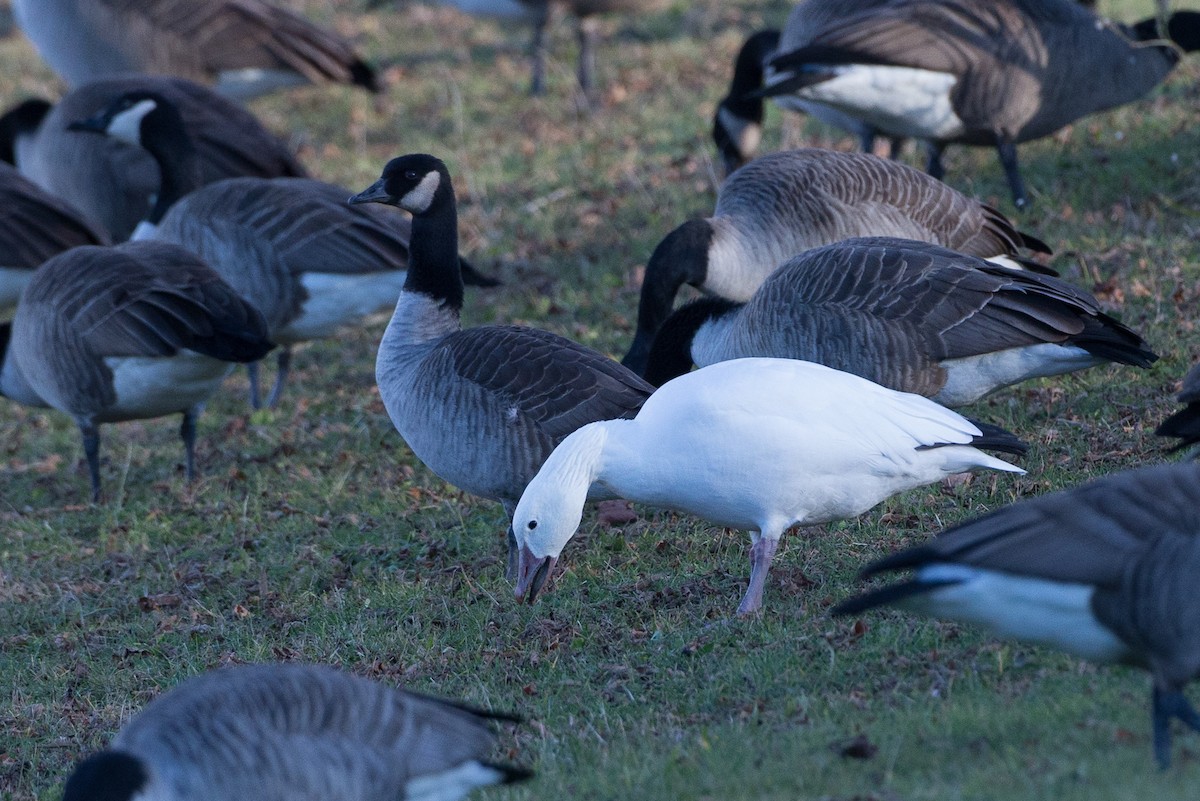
314,535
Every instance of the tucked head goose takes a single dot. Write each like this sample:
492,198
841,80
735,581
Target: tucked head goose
994,73
786,203
737,124
1106,572
482,407
112,181
275,732
758,444
908,315
140,330
1185,423
34,225
245,47
292,247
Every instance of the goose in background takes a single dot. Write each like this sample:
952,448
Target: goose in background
786,203
737,124
996,73
136,331
1185,423
292,247
113,182
244,47
287,731
757,444
34,225
908,315
1105,571
481,407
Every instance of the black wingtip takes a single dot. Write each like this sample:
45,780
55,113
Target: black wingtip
511,774
362,74
1184,424
886,596
1033,243
995,438
472,277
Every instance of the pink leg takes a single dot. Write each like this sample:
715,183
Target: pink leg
761,554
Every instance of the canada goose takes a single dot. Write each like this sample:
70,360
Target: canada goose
244,47
908,315
135,331
1105,571
34,225
785,203
481,407
1185,423
758,444
995,73
292,247
737,124
113,182
283,731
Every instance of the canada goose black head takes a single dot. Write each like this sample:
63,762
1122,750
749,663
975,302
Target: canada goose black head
670,353
133,118
737,125
416,183
21,120
107,776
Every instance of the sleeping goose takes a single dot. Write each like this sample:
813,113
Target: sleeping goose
284,731
758,444
112,182
996,73
131,332
292,247
785,203
1185,423
34,225
481,407
908,315
244,47
1105,571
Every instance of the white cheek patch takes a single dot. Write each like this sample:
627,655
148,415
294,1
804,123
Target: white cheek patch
127,125
418,199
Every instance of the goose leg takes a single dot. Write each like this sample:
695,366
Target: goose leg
1169,704
285,364
1007,151
537,84
895,145
252,374
588,35
933,163
187,432
866,140
91,451
761,554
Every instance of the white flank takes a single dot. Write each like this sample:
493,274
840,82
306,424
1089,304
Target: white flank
144,231
12,283
969,379
417,199
1035,610
900,101
452,784
335,299
252,82
152,386
1005,261
126,125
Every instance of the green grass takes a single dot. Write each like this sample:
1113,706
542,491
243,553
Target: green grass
313,534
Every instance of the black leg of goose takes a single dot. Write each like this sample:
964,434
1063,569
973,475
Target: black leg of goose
285,364
187,432
1170,704
933,164
91,452
252,374
538,83
895,145
1007,151
866,140
588,35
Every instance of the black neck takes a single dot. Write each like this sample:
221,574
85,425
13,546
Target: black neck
166,137
433,267
5,337
671,352
748,75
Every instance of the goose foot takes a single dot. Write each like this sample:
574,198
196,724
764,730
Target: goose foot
1169,704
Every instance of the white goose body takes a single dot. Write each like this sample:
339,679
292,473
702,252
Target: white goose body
148,386
758,444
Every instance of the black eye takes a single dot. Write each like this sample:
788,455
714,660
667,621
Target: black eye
410,175
532,525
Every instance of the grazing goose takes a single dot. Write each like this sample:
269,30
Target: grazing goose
758,444
908,315
786,203
282,731
481,407
737,124
1185,423
1105,571
292,247
34,225
135,331
995,73
244,47
113,182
